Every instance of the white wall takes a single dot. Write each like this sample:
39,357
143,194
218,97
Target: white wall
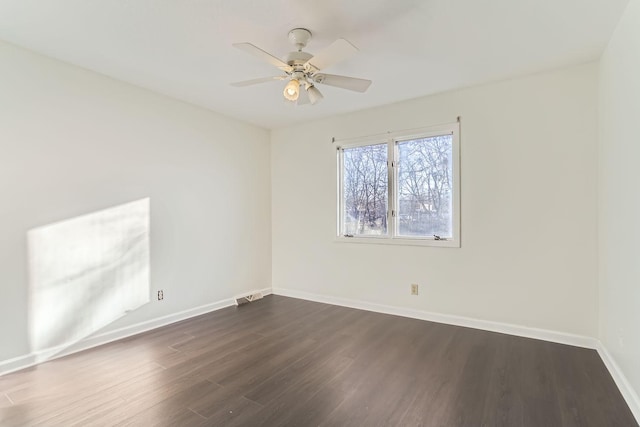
619,197
74,142
528,254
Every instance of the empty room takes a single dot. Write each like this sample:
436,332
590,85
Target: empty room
319,213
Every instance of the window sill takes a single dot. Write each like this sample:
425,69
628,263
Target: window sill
399,241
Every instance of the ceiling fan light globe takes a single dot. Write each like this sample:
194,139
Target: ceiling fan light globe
314,94
292,90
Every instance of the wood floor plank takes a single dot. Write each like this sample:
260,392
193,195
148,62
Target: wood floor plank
503,404
81,409
538,388
599,381
439,374
5,401
318,391
48,402
173,408
323,361
182,418
474,380
238,411
257,369
287,362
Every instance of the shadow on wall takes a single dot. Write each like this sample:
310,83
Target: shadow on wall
86,272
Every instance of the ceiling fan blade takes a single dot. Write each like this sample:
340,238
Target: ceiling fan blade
337,51
303,97
256,81
265,56
344,82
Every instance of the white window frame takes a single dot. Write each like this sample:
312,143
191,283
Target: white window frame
392,140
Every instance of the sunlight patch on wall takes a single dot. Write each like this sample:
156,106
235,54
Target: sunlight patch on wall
86,272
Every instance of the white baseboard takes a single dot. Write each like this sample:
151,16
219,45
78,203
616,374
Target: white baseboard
485,325
17,363
629,394
21,362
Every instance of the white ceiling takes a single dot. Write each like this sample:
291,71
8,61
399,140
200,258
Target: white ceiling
409,48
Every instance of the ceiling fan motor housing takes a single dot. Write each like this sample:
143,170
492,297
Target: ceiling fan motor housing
298,58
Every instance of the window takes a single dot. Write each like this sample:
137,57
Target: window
401,188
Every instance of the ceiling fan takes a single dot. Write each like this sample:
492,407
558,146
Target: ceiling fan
301,69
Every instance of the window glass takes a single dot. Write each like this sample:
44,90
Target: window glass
425,186
365,190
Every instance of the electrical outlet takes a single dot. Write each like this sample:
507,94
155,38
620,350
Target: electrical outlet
414,289
160,295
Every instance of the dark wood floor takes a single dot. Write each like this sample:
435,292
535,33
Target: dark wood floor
288,362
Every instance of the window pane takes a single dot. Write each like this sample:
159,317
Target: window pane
425,187
365,183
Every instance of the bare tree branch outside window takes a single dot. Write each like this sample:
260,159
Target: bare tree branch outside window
365,190
425,186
